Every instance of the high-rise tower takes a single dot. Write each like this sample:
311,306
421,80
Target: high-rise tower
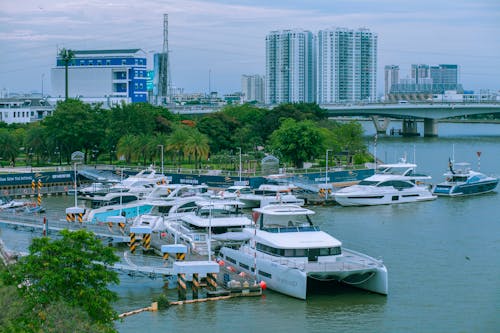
163,67
346,65
290,74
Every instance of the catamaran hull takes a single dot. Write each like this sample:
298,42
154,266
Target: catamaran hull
293,282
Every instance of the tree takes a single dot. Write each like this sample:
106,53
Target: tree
298,142
219,128
9,145
197,146
66,56
71,269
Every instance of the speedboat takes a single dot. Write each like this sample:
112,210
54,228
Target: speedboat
211,224
267,194
291,254
393,183
462,180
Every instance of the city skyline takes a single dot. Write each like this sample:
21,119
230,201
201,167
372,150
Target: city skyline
227,38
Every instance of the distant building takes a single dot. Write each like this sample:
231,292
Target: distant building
114,76
252,87
346,65
420,73
391,76
425,83
24,110
290,72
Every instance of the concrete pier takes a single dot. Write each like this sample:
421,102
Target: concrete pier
430,127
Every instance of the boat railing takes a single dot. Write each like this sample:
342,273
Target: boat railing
351,260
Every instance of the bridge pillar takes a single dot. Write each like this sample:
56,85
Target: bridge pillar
410,127
381,128
430,127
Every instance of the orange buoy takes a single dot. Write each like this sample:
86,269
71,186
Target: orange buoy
263,285
221,263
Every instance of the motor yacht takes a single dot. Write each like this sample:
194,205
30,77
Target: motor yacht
211,224
267,194
292,255
391,184
462,180
132,206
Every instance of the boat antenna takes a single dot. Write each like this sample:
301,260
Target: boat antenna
375,150
478,161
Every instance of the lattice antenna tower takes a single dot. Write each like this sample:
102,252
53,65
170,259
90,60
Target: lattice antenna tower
165,81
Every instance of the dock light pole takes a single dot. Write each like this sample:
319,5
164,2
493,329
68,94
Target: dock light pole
326,173
161,146
76,157
240,164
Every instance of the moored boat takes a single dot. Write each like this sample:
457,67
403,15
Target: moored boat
462,180
291,254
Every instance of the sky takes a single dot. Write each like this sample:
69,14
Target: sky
212,43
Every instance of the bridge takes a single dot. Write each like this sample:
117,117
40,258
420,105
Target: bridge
429,112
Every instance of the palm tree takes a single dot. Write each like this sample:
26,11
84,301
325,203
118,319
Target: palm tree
197,146
176,144
126,147
66,56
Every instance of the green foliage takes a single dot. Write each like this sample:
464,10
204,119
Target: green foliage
70,270
219,128
9,145
163,302
298,142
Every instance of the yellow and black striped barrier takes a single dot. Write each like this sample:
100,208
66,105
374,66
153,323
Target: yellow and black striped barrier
144,231
73,213
132,243
79,217
39,199
179,250
181,286
70,217
33,186
195,285
116,219
146,241
212,281
121,225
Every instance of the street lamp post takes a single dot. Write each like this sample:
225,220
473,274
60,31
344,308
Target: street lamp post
111,152
326,173
161,146
94,154
239,172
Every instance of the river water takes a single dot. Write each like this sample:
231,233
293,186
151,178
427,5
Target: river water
442,257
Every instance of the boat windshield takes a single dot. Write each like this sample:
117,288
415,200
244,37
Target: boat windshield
291,229
368,182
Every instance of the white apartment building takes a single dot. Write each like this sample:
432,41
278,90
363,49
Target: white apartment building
290,71
252,87
346,65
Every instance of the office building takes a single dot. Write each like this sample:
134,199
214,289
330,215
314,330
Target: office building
252,87
346,65
290,72
115,76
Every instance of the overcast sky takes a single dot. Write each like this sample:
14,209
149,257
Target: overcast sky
227,38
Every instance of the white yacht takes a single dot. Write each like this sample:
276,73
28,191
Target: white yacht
164,210
132,207
268,194
222,219
393,183
288,252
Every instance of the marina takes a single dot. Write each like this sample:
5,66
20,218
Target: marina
438,254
